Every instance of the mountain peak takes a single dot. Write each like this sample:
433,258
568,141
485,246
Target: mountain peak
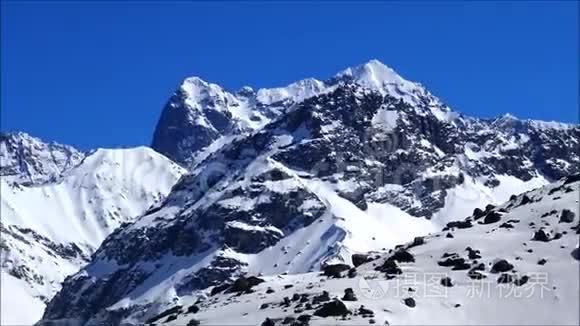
29,160
373,74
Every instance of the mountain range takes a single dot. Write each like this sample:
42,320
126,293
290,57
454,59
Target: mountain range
275,185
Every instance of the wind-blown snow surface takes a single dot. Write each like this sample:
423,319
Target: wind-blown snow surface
49,231
549,297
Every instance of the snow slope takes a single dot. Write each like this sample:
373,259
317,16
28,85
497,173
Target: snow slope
50,230
549,297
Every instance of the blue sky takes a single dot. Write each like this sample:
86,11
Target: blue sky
97,74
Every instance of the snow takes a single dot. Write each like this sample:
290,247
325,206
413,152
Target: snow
545,125
443,115
373,74
295,92
108,188
385,119
18,304
463,199
91,201
377,76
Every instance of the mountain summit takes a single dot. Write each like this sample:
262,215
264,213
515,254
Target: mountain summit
200,113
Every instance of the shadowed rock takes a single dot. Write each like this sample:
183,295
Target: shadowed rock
332,308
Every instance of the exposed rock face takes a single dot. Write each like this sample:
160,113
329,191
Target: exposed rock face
199,113
345,141
332,308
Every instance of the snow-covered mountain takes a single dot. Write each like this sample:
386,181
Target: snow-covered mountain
200,116
514,264
28,160
49,230
289,180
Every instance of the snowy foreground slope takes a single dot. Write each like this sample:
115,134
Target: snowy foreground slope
536,233
50,230
355,164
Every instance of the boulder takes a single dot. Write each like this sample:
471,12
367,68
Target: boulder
459,224
567,216
193,322
365,311
288,320
403,256
505,278
359,259
473,254
193,309
390,267
446,281
352,273
268,322
409,302
475,275
349,295
245,284
325,296
501,266
335,270
491,217
522,280
542,261
541,235
332,308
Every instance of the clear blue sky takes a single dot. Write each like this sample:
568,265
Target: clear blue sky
97,74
